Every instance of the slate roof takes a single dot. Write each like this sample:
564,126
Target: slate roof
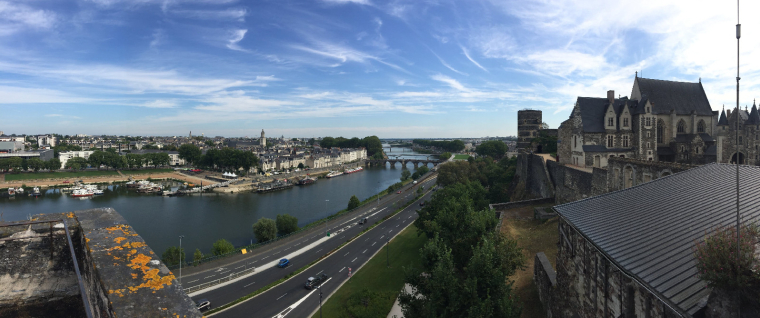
754,118
665,151
723,121
681,96
602,148
711,151
593,110
649,230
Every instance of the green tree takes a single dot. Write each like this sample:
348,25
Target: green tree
492,148
222,247
548,143
353,203
36,164
76,163
53,164
415,175
420,190
445,156
173,255
265,229
286,224
423,170
209,143
197,257
190,153
405,174
25,164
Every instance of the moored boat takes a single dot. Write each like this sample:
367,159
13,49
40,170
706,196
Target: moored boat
334,174
97,192
35,192
78,193
307,180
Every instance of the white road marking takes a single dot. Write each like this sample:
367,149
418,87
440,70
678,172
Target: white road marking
367,239
364,251
240,266
278,298
346,254
354,260
249,284
320,272
397,225
373,244
382,237
341,269
209,276
319,250
193,281
290,309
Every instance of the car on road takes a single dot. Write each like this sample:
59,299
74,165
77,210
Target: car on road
399,192
315,281
422,203
203,304
283,263
363,221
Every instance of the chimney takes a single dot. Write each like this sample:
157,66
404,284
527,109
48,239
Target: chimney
611,96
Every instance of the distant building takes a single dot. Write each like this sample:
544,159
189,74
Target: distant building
263,140
174,159
46,141
65,156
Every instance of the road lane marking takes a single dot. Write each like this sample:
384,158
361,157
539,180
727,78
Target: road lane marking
343,236
278,298
249,284
319,250
367,239
346,254
397,225
382,237
364,251
240,266
353,260
193,281
290,309
208,276
320,272
373,244
341,269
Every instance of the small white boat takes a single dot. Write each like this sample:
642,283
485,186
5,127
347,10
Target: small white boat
19,190
35,192
97,192
78,193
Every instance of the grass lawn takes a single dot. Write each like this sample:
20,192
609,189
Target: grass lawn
146,171
533,236
461,157
53,175
375,276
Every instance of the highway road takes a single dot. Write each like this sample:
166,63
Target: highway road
308,249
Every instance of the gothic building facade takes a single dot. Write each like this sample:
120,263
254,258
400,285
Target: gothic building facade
661,121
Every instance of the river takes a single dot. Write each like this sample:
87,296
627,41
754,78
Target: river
207,218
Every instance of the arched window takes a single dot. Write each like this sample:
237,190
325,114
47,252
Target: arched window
660,130
681,126
701,126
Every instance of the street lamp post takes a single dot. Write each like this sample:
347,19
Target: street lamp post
320,301
387,259
180,259
328,216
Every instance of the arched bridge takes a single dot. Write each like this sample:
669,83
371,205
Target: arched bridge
415,162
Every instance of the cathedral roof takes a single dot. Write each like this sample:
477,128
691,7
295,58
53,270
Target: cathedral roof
593,110
682,97
754,118
723,121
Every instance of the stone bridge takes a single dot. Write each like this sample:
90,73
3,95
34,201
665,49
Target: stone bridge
403,162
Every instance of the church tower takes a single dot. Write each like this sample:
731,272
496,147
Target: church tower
263,140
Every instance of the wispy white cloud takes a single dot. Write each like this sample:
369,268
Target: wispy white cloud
450,81
342,53
160,103
15,17
237,14
235,38
417,94
362,2
158,36
467,54
448,66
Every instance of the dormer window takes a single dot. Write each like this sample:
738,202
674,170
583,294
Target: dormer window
647,109
625,122
610,122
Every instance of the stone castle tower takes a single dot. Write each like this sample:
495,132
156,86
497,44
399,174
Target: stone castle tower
528,125
263,140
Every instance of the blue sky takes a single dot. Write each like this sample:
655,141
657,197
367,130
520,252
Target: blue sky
418,68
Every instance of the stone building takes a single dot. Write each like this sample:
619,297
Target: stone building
749,141
263,140
528,126
629,253
661,121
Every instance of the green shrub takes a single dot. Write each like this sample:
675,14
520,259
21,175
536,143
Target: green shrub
717,263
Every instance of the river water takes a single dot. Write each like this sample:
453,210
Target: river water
207,218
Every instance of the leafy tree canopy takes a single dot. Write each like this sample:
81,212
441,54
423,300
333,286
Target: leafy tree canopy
492,148
286,224
265,229
222,247
353,203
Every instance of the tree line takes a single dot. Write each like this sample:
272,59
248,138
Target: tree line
222,159
373,144
451,145
110,159
494,176
35,164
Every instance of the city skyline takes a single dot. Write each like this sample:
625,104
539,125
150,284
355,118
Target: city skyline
348,67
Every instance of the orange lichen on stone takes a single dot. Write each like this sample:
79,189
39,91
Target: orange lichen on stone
150,275
134,275
119,292
70,215
132,252
139,262
119,239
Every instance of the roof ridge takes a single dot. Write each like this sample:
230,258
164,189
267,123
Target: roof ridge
662,80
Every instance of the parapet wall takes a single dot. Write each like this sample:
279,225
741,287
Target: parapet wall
545,279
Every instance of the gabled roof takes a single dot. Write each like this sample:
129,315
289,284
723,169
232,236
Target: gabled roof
683,97
754,118
593,110
649,230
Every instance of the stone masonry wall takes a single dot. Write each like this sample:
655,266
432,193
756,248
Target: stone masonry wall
623,172
545,279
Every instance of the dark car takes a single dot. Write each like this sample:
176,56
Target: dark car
283,263
203,304
422,203
315,281
363,221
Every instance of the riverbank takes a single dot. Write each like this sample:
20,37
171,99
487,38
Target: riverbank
50,183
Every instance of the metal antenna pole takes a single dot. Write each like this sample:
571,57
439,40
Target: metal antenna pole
738,214
180,259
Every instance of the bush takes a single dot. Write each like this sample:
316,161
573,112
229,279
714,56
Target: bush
717,263
405,174
353,203
265,229
197,256
368,304
222,247
172,256
286,224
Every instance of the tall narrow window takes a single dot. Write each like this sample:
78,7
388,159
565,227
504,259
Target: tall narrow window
576,141
625,122
610,141
610,122
625,141
659,132
681,126
701,127
648,121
